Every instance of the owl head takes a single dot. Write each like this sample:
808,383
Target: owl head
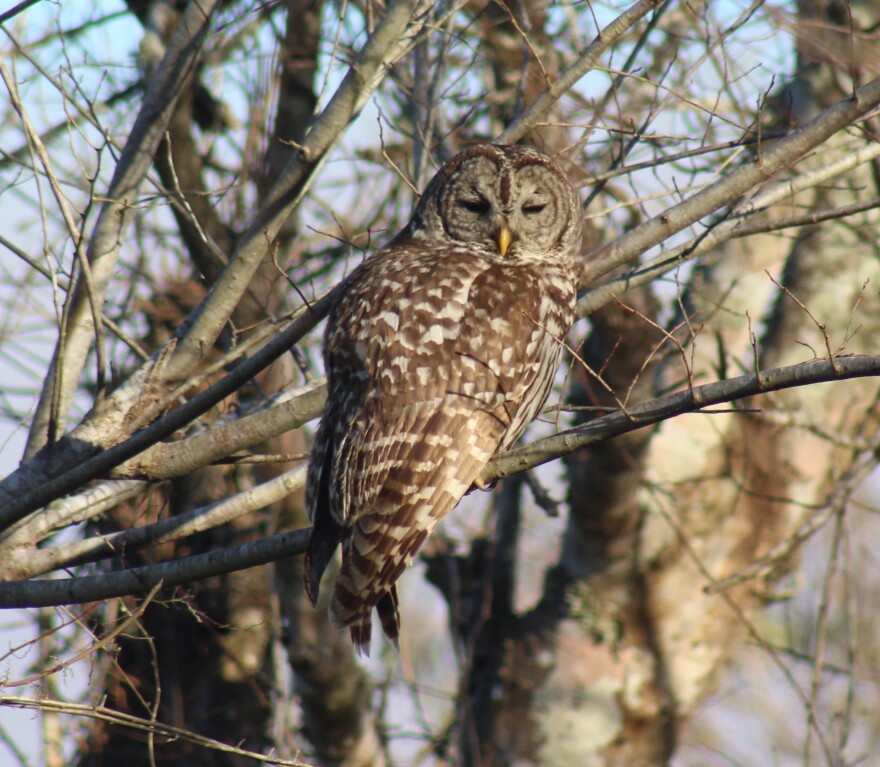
504,202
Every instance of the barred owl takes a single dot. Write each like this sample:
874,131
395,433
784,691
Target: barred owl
441,350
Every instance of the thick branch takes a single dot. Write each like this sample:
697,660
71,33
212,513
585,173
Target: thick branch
687,401
43,487
140,580
176,459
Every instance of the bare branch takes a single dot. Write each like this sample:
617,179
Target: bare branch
140,580
33,563
90,503
782,154
690,400
560,85
175,459
106,240
150,726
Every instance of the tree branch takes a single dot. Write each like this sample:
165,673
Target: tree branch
109,232
178,527
782,154
560,85
737,226
688,401
175,459
38,485
142,579
148,726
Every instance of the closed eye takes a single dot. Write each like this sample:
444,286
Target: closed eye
532,208
474,204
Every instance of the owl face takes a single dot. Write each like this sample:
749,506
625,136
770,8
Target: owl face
507,202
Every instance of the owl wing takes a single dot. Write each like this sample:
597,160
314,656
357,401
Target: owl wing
452,360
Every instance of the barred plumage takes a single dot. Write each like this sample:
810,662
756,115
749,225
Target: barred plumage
440,352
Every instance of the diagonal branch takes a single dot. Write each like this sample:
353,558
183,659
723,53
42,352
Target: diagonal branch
385,46
109,233
560,85
96,463
738,226
727,190
176,459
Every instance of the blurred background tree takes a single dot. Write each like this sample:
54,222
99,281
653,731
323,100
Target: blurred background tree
180,180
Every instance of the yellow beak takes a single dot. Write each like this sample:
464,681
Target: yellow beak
504,238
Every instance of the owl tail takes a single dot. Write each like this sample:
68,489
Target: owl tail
358,617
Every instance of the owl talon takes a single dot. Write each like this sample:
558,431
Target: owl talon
483,486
